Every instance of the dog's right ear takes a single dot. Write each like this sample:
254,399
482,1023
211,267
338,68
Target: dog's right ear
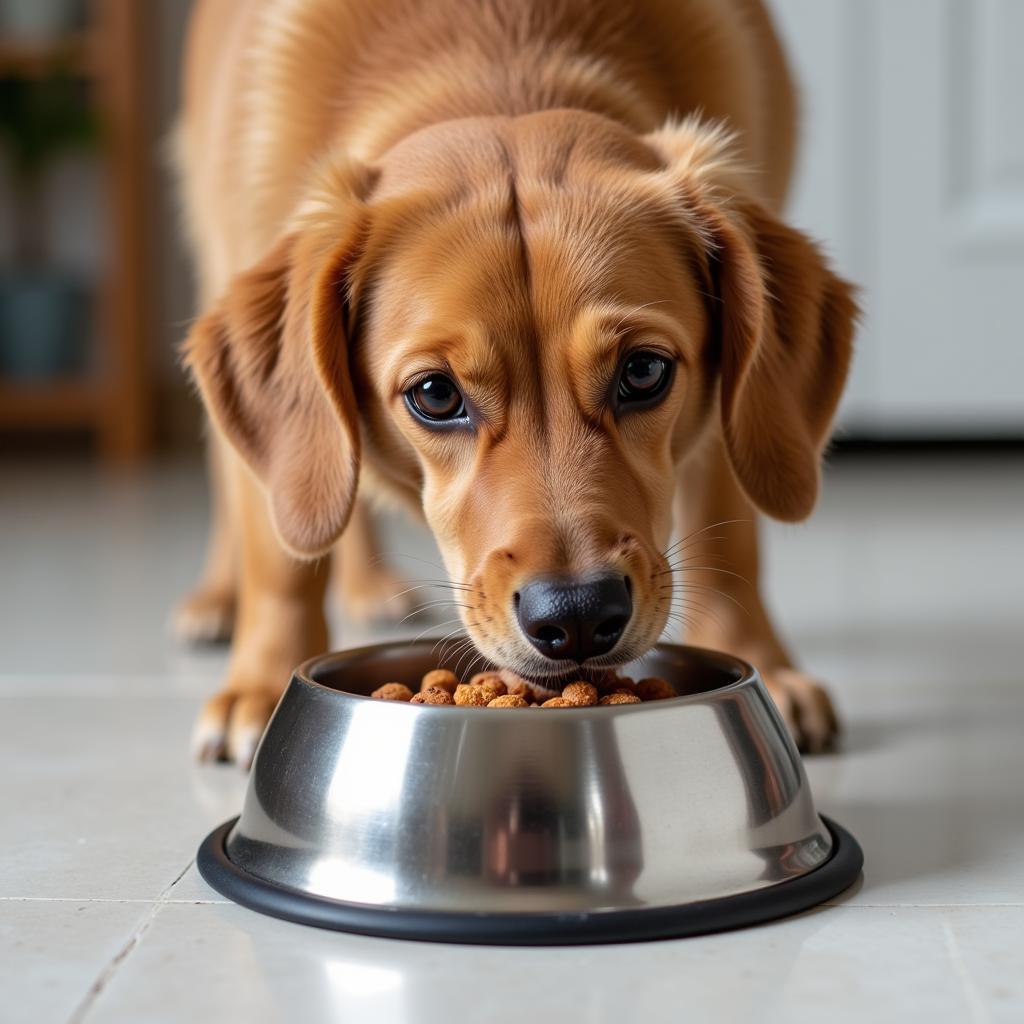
271,362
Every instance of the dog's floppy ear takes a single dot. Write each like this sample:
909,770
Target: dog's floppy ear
271,362
783,321
785,326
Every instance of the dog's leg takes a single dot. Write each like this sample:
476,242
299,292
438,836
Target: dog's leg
719,593
367,589
207,613
280,623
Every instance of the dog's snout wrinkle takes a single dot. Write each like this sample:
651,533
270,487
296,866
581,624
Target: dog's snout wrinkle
567,619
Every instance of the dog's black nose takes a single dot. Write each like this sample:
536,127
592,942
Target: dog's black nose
574,620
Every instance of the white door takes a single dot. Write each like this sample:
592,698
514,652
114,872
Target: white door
912,173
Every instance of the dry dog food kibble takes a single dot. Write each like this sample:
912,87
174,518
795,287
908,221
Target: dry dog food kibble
491,679
392,691
508,700
580,695
505,689
433,695
468,696
619,697
612,683
440,677
521,688
654,689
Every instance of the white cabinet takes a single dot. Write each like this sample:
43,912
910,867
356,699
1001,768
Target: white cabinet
912,172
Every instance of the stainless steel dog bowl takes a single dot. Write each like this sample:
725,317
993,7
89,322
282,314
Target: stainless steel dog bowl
527,826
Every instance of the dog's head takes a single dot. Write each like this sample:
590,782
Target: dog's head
529,323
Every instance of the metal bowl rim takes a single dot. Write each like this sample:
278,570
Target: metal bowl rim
825,882
748,675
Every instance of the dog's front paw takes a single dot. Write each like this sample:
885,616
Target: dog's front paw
231,724
806,708
205,616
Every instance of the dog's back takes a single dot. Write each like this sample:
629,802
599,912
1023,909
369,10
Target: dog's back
270,84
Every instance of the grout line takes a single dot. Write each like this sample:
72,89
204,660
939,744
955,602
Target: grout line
106,975
103,899
861,905
919,906
61,693
975,1002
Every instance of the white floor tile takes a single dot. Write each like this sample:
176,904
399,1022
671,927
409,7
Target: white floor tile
842,964
51,953
98,797
931,786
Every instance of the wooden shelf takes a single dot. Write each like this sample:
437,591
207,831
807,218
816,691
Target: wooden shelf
114,53
62,403
75,54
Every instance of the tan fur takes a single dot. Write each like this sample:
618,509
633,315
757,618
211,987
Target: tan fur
517,194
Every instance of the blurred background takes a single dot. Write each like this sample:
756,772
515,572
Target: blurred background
94,291
912,173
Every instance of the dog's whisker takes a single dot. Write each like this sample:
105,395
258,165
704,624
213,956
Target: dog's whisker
676,550
707,588
704,529
428,585
425,561
441,641
701,608
468,651
426,606
685,563
440,625
705,568
682,600
459,638
700,612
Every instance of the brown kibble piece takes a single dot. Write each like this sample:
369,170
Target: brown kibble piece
392,691
557,702
520,689
581,695
655,689
491,679
508,700
440,677
620,697
467,696
612,682
433,695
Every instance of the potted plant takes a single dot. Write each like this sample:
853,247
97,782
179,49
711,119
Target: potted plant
36,21
42,310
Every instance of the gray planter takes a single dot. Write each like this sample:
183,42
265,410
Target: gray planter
37,21
43,325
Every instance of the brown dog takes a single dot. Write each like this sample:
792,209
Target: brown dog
487,257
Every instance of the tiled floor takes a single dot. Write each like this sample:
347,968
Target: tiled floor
906,592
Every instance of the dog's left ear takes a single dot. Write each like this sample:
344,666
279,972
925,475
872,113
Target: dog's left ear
271,359
782,319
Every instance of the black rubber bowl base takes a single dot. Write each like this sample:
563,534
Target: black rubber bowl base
535,929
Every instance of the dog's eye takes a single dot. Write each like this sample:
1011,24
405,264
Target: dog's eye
645,377
436,399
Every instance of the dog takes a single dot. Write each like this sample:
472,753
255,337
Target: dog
518,264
